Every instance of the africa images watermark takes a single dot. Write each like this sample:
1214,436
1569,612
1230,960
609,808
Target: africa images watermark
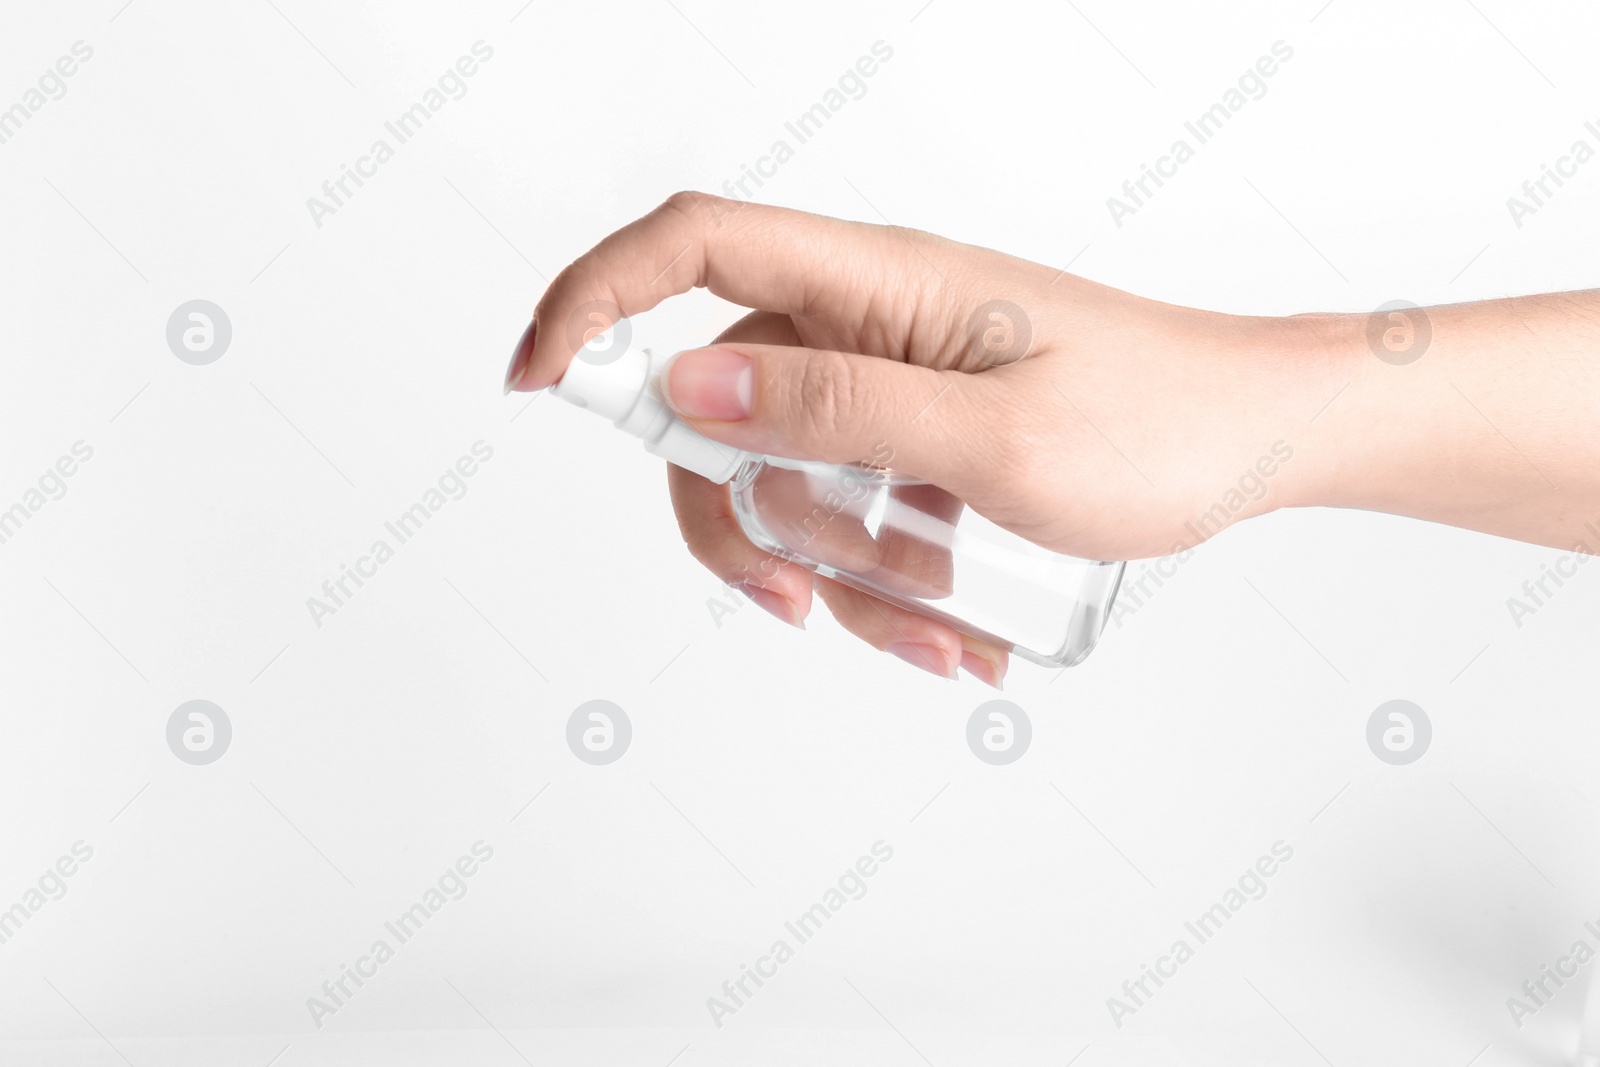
51,485
1536,592
52,886
51,85
451,85
850,85
451,485
1135,591
852,885
1252,885
1536,991
451,885
1538,191
1251,85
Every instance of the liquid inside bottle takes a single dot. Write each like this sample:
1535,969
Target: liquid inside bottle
915,545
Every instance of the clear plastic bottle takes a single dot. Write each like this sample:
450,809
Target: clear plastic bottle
890,536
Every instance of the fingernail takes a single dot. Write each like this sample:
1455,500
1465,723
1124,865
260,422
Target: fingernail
710,383
983,670
519,358
773,604
930,658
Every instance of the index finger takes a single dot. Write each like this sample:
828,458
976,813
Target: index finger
768,258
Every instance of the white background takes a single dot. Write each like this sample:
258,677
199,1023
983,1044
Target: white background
1227,714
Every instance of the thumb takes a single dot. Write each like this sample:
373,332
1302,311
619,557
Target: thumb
837,407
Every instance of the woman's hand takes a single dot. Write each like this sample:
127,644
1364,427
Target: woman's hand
1082,418
1088,420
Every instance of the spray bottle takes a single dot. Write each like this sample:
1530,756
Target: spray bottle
886,534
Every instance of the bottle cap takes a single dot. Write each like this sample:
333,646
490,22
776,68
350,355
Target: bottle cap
619,382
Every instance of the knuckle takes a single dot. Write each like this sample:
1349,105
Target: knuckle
824,395
926,245
692,204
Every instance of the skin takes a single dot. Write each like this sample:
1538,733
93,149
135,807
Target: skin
1123,423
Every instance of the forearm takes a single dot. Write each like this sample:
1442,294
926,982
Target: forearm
1494,426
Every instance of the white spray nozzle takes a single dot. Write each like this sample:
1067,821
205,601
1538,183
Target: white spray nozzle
620,382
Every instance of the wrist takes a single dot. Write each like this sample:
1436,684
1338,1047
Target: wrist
1295,373
1319,362
1460,414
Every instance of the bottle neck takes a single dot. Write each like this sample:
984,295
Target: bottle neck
623,386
